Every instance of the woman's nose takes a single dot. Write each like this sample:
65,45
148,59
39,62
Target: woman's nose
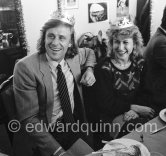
121,46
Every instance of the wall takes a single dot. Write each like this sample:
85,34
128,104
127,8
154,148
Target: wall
156,14
81,15
36,12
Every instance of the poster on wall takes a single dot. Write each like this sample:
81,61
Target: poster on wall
122,8
71,4
97,12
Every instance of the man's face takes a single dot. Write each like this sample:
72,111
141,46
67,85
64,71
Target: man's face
57,41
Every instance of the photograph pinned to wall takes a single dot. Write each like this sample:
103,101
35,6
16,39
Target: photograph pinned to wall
97,12
122,8
71,4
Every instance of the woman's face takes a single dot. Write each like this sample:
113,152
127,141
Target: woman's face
122,48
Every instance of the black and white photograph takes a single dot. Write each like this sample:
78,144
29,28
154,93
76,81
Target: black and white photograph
71,4
122,8
98,12
82,77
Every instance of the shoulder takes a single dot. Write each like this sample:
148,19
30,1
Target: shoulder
103,71
28,61
159,37
104,67
30,58
104,64
139,62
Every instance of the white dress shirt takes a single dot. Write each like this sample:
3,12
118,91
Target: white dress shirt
57,111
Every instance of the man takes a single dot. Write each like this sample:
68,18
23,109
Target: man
154,84
40,81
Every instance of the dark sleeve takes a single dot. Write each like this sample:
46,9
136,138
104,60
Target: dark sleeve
142,94
152,94
108,101
160,53
159,84
153,79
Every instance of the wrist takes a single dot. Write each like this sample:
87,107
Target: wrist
89,69
136,108
132,107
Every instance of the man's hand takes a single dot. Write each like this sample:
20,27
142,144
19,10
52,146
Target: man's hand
88,78
143,110
130,115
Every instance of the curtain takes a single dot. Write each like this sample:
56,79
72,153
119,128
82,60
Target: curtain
143,18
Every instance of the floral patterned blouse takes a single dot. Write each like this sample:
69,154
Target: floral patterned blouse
116,89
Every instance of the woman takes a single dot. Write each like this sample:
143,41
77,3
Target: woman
118,79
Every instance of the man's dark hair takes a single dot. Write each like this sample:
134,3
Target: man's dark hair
72,51
163,23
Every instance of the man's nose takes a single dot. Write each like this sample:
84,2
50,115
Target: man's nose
55,41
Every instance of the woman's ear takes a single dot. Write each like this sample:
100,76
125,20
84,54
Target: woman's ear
70,44
134,47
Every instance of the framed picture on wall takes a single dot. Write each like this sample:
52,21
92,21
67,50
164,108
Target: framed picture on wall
122,8
71,4
97,11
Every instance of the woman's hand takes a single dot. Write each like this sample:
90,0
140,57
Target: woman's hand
88,78
143,110
130,115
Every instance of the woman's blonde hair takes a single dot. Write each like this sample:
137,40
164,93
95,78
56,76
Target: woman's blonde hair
129,32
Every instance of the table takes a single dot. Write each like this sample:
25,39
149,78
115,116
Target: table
2,154
154,142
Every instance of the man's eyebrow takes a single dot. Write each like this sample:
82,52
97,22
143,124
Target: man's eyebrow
50,33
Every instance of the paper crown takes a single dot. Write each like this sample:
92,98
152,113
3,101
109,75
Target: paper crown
121,23
63,16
